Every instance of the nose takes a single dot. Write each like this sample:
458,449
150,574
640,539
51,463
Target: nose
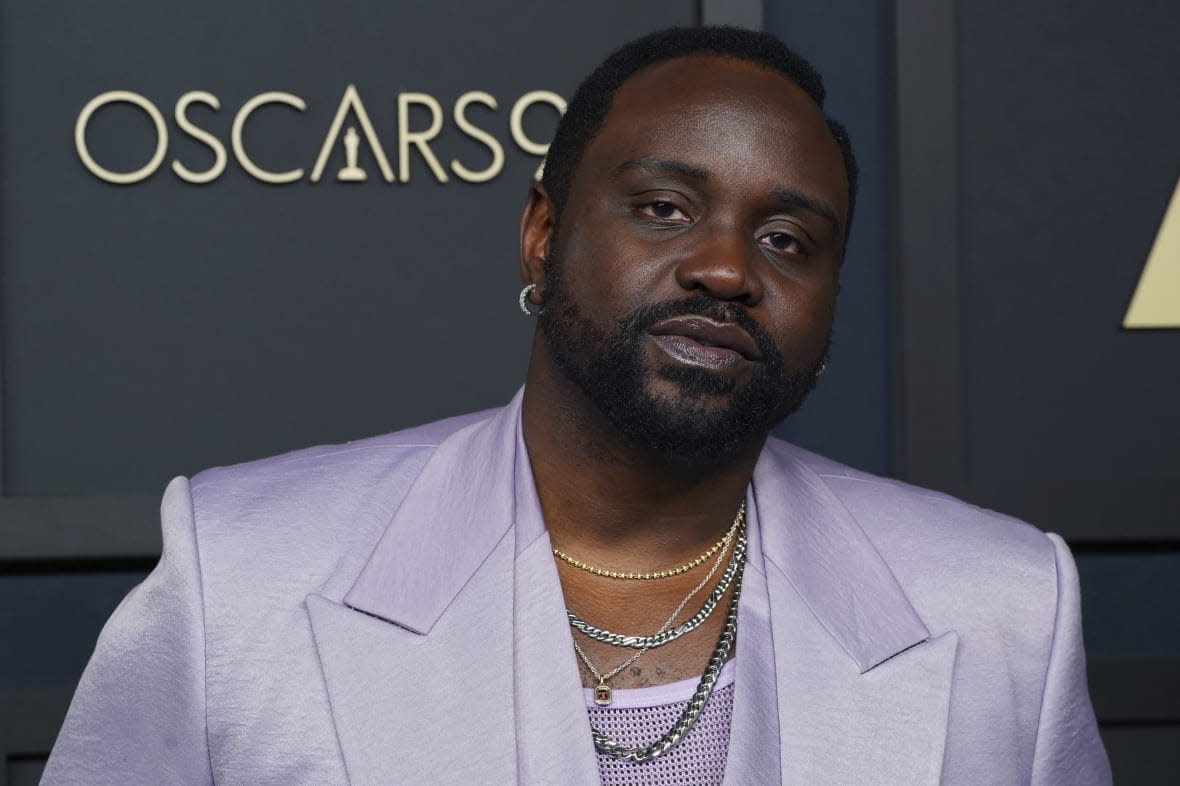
723,266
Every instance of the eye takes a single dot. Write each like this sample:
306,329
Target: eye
784,243
664,211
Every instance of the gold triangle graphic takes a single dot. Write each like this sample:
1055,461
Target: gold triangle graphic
1156,302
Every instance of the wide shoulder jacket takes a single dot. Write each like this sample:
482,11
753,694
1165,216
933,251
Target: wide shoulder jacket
388,611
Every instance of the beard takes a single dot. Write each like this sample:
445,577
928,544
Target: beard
711,418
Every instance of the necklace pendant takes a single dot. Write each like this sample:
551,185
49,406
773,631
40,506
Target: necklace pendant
602,694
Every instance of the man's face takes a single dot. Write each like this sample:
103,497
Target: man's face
692,281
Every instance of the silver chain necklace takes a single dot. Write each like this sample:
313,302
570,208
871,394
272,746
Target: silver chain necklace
665,635
604,744
602,692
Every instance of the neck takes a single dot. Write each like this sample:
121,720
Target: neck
609,501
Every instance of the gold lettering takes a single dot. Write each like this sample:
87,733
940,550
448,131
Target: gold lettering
272,97
201,135
465,100
101,172
515,122
351,99
419,139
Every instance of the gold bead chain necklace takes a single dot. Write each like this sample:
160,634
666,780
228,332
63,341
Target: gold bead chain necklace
659,574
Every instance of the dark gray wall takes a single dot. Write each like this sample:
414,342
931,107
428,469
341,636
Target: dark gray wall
1069,118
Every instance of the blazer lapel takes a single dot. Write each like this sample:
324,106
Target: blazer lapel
418,659
554,743
863,689
422,709
754,729
838,725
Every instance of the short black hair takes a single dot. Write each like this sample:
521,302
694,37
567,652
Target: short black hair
588,108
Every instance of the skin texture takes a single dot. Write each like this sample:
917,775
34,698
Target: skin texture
714,178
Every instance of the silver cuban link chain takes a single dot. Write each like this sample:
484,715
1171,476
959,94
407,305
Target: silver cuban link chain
696,704
603,678
666,635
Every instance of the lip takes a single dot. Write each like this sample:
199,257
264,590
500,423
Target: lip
704,331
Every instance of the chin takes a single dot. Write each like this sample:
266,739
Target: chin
696,384
690,429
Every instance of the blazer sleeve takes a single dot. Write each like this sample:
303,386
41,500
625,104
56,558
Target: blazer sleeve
138,715
1068,748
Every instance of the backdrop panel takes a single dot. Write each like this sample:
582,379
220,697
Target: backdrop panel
1069,160
161,326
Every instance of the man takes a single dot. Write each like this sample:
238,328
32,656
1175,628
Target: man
618,577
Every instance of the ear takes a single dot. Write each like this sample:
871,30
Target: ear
536,233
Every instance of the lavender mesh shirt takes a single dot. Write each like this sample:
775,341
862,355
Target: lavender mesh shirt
639,716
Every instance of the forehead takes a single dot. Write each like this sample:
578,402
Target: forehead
739,120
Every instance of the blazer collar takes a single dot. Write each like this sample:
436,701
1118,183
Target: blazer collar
810,538
457,510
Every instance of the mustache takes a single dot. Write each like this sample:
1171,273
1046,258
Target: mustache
702,306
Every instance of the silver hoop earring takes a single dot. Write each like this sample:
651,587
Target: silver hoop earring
822,368
524,300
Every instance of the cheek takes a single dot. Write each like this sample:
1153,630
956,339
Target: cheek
602,270
803,307
823,308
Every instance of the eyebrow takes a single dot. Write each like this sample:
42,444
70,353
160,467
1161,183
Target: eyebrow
784,196
794,199
661,166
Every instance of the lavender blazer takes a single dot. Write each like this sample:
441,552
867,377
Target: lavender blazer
388,611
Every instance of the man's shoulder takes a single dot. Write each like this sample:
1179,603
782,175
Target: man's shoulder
321,500
923,533
313,466
962,566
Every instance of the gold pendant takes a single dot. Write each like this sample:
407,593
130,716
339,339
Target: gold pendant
602,694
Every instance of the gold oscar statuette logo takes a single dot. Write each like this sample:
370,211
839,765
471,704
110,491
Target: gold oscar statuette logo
350,172
1156,302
